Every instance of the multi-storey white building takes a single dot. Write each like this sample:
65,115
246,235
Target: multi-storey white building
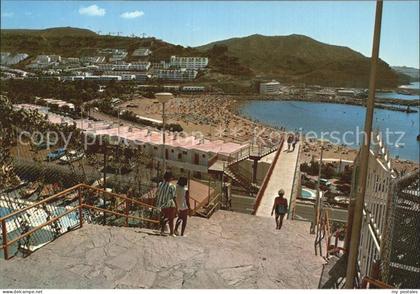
189,62
10,59
104,78
122,66
105,67
270,88
128,77
176,74
120,55
139,65
92,59
55,58
70,60
141,52
193,89
43,59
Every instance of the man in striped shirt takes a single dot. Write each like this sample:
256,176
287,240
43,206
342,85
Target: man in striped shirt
165,200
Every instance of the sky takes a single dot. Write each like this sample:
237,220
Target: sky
193,23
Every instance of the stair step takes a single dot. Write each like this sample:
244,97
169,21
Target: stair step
333,272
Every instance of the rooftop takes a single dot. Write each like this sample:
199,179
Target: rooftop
139,135
230,250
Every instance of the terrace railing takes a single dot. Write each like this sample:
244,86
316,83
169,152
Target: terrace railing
32,227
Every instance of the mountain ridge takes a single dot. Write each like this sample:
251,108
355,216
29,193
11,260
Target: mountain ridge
292,59
299,58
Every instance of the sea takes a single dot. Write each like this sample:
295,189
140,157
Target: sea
340,123
414,85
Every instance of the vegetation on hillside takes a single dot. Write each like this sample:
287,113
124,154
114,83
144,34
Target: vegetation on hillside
412,73
73,42
298,58
76,92
294,58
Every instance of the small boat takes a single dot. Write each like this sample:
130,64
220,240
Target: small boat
418,137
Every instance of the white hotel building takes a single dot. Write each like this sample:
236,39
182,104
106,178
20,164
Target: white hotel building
270,88
176,74
196,63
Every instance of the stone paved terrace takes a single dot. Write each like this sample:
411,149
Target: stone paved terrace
230,250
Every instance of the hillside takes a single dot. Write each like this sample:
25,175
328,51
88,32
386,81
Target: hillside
413,73
293,58
51,32
297,58
73,42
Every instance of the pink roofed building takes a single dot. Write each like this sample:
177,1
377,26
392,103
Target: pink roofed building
182,153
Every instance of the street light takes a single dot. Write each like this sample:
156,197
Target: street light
163,98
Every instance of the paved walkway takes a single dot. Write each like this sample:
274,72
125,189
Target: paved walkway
281,178
230,250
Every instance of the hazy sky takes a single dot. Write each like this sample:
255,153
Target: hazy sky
347,23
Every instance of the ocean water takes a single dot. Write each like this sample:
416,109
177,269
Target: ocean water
393,95
340,123
415,85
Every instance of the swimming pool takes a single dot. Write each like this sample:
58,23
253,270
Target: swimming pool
4,211
308,194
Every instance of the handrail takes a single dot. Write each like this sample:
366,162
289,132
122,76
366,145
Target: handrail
79,207
367,281
20,211
74,188
267,178
119,196
120,214
295,190
30,232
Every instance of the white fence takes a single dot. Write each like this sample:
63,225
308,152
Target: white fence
376,205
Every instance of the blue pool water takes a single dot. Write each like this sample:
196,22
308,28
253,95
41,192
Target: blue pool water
4,211
306,194
326,118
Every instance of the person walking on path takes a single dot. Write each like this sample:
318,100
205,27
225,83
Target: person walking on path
183,204
295,140
165,200
289,141
280,209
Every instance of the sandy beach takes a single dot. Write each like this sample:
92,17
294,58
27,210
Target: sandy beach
216,117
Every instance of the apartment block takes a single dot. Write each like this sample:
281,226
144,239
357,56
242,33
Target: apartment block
176,74
270,88
141,52
196,63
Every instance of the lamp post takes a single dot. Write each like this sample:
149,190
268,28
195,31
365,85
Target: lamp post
359,198
318,194
163,98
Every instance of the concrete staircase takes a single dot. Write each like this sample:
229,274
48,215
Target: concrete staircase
234,174
229,250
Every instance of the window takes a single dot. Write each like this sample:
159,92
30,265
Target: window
204,156
184,152
179,155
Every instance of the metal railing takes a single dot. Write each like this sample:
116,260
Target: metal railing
369,283
240,155
46,220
